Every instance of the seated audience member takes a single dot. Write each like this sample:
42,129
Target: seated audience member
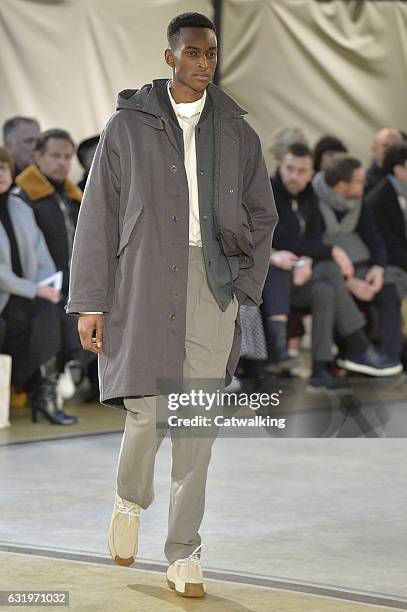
29,312
351,225
86,151
389,203
325,149
20,136
284,138
55,200
293,282
384,138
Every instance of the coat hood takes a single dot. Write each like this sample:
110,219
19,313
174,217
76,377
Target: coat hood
146,99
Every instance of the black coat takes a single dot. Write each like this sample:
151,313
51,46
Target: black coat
300,233
374,175
390,220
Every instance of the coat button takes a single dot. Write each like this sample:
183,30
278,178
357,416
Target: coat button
173,168
175,218
209,263
205,217
231,190
172,316
202,171
174,268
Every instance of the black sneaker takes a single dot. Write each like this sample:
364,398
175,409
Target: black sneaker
325,381
370,362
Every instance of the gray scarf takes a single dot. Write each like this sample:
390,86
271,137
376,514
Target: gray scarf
330,201
341,233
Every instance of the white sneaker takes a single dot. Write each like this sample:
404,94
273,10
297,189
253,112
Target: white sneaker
123,531
185,577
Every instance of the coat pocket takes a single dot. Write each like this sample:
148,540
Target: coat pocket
250,221
129,223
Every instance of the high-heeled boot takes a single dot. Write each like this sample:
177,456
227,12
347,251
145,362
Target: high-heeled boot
43,396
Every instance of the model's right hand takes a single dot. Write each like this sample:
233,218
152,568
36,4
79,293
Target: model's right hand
49,293
86,325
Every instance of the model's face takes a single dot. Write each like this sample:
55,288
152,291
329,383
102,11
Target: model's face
193,57
6,177
55,162
22,144
383,140
296,172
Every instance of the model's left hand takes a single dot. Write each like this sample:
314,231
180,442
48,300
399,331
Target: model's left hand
375,277
302,274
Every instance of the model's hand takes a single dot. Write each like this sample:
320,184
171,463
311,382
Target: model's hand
361,289
302,273
375,278
49,293
87,324
342,260
283,259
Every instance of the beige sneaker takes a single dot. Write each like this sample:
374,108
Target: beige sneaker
185,577
123,531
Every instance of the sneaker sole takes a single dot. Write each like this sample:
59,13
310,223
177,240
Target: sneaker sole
191,589
117,559
352,366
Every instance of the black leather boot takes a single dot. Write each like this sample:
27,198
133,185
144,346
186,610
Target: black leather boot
43,396
276,337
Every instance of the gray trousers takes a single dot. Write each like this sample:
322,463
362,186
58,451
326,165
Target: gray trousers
332,306
209,337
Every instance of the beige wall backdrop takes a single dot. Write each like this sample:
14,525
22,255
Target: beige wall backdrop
337,66
64,61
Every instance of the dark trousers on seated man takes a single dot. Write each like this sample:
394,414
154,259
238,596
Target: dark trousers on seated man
334,309
388,305
326,295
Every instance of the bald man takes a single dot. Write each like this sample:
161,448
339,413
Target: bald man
384,138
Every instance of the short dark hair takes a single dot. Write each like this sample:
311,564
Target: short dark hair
394,156
324,144
298,150
52,133
341,169
86,148
187,20
12,124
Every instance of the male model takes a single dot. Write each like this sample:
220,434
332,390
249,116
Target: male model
174,233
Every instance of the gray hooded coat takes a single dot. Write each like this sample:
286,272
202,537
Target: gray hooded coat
133,230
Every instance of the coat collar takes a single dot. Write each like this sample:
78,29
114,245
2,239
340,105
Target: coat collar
35,184
147,100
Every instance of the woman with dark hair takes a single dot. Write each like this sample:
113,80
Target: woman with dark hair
28,310
325,149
